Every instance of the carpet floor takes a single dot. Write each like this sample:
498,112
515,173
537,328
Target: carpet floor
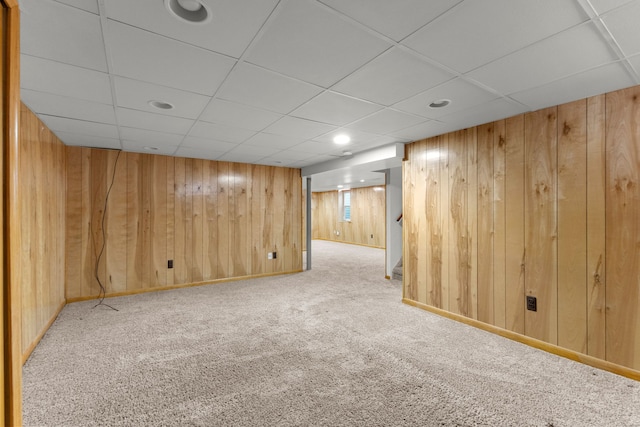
333,346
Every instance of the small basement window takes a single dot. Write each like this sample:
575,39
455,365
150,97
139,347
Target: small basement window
345,205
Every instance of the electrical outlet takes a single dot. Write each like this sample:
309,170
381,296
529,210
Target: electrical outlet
269,255
170,263
532,303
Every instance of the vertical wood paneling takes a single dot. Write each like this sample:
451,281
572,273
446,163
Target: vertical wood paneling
485,223
596,233
499,224
197,203
471,146
200,214
433,255
42,227
116,223
553,197
458,232
223,220
540,223
180,263
572,227
623,227
444,220
514,223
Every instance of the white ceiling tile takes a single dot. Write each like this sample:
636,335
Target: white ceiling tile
391,77
197,153
264,89
395,19
233,25
273,141
156,122
313,147
65,34
254,150
593,82
290,156
386,121
88,5
421,131
62,106
141,147
220,132
305,129
207,144
356,136
240,158
238,115
461,93
603,6
335,109
477,32
150,137
307,42
79,126
146,56
43,75
567,53
136,95
79,140
276,161
635,63
497,109
623,25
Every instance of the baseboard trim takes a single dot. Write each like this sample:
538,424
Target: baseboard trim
352,243
180,286
34,344
532,342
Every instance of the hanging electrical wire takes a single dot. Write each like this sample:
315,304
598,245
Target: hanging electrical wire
103,291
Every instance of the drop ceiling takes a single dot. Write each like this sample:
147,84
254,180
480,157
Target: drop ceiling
273,81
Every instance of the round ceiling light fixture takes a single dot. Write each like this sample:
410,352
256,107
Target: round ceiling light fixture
160,105
191,11
440,103
341,139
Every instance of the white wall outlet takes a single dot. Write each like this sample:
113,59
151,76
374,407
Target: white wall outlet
269,255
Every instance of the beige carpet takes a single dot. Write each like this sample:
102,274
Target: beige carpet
333,346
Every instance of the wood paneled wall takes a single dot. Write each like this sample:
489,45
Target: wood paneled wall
41,176
367,225
215,220
545,204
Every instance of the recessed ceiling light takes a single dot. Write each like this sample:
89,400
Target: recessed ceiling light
440,103
160,105
341,139
362,180
191,11
340,186
347,153
150,148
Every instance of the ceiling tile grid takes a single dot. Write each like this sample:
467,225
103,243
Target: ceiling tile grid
274,81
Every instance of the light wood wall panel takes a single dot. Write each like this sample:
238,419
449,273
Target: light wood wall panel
42,178
367,225
201,214
552,211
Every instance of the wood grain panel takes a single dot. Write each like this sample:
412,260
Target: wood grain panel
514,223
410,254
486,134
623,227
572,226
73,233
198,213
499,225
458,223
540,223
596,228
418,230
433,257
116,223
444,219
471,146
42,227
